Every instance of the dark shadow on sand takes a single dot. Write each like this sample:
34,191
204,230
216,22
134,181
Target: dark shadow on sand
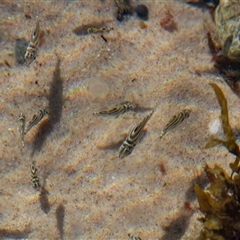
43,199
202,181
17,234
20,49
60,215
43,196
177,228
54,110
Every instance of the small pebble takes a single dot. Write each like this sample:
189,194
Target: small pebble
214,126
142,24
142,11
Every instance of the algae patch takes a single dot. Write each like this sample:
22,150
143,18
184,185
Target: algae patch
220,201
230,142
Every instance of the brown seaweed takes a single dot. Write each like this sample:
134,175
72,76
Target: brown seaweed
220,201
227,67
230,142
220,204
212,46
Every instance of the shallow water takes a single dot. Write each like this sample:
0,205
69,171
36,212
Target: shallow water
88,192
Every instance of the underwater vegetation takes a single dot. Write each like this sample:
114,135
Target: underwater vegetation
225,50
220,201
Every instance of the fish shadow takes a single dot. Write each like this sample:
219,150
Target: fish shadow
20,49
177,228
14,234
60,215
54,109
43,196
43,199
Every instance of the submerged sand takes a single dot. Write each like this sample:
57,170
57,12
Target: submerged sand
89,192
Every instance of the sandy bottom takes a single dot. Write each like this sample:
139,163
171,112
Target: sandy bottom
88,191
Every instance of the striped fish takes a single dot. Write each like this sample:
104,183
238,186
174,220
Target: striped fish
99,29
133,137
175,121
31,52
117,110
36,119
22,123
133,238
35,180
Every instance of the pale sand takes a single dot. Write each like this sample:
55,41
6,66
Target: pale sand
98,195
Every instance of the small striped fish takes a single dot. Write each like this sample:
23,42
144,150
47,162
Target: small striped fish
35,180
31,52
36,119
175,121
134,238
22,123
133,137
99,29
117,110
